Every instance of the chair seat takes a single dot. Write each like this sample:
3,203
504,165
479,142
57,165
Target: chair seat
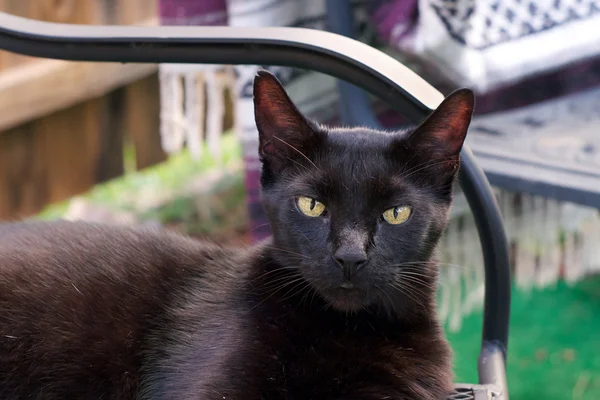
474,392
550,149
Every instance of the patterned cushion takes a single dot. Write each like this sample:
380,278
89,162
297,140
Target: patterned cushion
486,44
482,24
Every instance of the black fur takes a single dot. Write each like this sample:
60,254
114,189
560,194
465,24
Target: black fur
98,312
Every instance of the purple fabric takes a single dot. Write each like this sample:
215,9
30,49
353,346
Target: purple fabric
258,224
545,86
395,19
192,12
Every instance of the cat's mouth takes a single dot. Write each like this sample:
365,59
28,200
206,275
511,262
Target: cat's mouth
347,297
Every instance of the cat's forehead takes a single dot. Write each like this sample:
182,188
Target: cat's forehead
356,160
361,152
360,138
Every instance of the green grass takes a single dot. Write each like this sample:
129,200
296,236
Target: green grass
170,175
220,213
554,348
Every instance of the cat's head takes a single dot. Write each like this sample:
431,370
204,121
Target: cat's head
358,212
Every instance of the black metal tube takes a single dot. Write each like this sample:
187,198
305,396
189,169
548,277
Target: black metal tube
488,220
332,54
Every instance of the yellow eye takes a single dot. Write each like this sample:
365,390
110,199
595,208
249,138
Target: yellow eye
397,215
310,207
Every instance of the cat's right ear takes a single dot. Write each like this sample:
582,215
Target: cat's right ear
283,132
440,137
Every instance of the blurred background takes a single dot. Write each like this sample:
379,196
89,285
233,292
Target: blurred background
175,145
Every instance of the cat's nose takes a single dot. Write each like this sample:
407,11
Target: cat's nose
350,261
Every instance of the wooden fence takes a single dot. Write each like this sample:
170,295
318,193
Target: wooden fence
63,124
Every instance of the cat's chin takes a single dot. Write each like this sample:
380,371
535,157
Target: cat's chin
347,300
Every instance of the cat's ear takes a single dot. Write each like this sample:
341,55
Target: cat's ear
283,131
441,136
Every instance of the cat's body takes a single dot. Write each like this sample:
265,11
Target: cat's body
338,305
160,320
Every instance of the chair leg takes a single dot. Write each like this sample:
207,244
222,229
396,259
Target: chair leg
354,103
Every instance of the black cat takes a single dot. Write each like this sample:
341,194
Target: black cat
339,304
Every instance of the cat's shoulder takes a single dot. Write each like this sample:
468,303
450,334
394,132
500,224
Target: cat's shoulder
71,244
63,235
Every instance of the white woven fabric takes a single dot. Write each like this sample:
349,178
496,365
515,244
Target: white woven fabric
485,44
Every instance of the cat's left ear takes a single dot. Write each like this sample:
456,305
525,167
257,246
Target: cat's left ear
441,136
284,133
